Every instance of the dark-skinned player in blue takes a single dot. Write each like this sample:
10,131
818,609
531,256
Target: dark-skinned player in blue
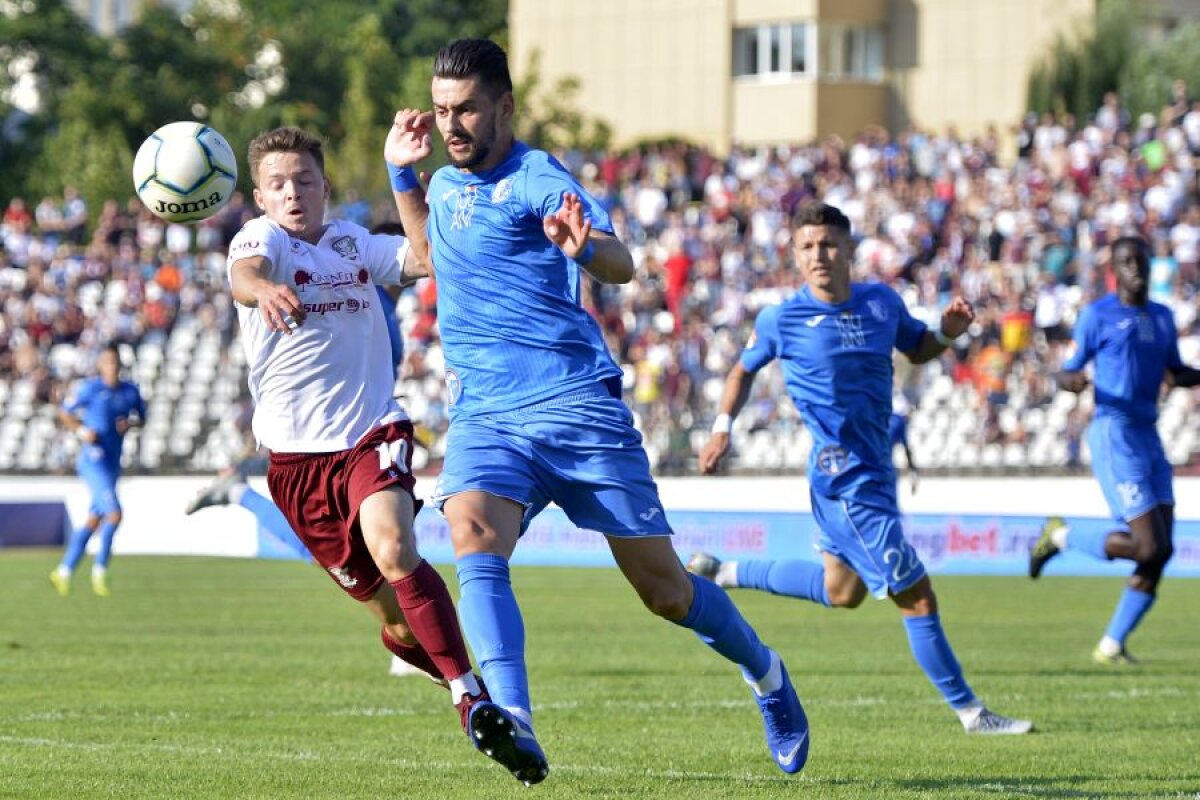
1133,346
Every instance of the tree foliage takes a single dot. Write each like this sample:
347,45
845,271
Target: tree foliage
243,66
1115,55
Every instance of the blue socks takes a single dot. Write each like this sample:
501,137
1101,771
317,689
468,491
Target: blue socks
719,624
932,652
78,544
75,547
492,623
1132,606
793,578
271,519
105,532
1090,542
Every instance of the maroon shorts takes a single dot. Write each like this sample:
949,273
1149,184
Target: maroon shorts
320,493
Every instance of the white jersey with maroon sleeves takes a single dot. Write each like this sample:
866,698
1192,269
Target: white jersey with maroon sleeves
330,382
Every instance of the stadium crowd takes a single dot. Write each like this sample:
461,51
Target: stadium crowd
1018,224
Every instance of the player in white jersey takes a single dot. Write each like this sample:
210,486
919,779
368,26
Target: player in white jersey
321,378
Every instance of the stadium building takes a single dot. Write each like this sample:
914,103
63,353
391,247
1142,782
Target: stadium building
724,72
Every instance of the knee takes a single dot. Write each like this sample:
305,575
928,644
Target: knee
666,598
114,518
847,596
474,535
1153,554
393,547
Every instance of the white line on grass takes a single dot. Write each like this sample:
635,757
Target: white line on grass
404,763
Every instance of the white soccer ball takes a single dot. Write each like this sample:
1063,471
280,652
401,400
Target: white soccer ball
185,172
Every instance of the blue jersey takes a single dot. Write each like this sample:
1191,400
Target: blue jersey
509,315
897,430
99,406
393,327
1132,347
837,364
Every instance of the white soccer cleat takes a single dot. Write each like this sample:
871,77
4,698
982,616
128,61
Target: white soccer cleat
989,723
402,669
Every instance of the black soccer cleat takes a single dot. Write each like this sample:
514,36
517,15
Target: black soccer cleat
509,742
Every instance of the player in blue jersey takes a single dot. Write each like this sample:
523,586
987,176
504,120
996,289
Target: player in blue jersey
898,437
835,340
99,412
535,408
1133,345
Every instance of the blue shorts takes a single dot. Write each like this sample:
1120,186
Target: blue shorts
865,532
101,480
580,451
1129,462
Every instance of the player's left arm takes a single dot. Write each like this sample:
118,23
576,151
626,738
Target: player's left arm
137,417
955,320
603,255
1178,373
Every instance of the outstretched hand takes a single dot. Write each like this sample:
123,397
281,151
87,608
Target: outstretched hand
957,317
409,140
713,451
567,228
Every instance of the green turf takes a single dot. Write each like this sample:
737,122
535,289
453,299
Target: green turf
247,679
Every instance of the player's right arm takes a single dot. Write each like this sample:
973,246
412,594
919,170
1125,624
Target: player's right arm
68,414
1072,377
408,142
762,348
277,303
733,398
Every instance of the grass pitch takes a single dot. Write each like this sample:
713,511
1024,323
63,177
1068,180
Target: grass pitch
256,679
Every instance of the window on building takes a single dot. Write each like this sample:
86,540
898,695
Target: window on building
778,49
851,52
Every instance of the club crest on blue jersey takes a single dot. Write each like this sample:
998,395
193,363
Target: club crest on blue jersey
832,460
502,190
453,387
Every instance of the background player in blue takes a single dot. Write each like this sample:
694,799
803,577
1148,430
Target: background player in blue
898,437
536,414
835,340
1134,345
100,411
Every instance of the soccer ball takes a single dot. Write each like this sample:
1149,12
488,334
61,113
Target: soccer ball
185,172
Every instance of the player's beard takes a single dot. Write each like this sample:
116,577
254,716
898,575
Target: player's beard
476,155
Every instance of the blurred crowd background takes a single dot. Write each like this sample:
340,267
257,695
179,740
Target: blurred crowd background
1019,222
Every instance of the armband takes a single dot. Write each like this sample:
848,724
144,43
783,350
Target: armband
404,179
943,339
